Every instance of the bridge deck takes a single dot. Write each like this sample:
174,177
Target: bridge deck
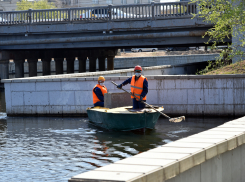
155,24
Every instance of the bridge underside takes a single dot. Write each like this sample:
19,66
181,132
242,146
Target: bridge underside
62,57
120,34
93,40
183,38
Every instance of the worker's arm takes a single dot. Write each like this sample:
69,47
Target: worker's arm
125,82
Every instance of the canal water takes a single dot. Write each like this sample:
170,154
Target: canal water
55,148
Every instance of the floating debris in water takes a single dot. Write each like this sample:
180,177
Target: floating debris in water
3,115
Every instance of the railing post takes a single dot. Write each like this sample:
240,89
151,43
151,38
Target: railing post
197,8
69,14
29,15
180,5
152,10
10,19
109,11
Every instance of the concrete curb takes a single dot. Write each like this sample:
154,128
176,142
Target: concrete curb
180,158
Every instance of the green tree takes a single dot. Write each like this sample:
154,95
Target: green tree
228,17
42,4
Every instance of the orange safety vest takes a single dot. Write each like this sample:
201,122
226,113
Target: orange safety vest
137,87
103,90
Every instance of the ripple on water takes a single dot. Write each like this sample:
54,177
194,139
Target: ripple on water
55,149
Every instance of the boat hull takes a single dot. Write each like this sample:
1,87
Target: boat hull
123,121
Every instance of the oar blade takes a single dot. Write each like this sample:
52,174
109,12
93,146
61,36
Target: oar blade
177,120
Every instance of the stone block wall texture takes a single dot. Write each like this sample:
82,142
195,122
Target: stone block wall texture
179,95
226,167
113,100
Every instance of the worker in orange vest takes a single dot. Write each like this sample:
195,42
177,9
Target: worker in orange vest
98,92
139,87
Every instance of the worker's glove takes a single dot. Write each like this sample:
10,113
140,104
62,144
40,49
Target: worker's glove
119,86
141,98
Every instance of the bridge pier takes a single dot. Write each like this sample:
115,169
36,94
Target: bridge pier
70,65
58,55
19,68
101,63
59,65
82,64
110,54
92,64
32,67
4,69
4,65
46,66
110,62
206,48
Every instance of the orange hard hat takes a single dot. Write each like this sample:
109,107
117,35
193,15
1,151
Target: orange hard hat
101,78
138,67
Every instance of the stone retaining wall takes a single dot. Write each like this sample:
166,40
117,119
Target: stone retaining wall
179,95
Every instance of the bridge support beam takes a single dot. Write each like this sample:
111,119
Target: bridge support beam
102,63
4,69
110,62
59,65
92,64
70,65
32,63
82,64
19,68
46,66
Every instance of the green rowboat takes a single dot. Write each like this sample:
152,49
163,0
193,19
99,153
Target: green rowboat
124,118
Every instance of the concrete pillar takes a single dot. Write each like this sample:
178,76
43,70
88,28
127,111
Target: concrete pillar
101,63
4,69
92,64
32,64
110,62
82,64
46,66
70,65
59,65
19,68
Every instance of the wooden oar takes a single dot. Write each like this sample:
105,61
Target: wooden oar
175,120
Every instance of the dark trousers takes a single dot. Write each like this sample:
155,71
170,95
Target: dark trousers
101,104
138,104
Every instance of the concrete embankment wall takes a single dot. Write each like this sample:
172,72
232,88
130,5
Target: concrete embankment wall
179,95
215,155
130,62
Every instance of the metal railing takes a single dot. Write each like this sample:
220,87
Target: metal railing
152,11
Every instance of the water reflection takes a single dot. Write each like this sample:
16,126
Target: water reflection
2,101
55,149
3,131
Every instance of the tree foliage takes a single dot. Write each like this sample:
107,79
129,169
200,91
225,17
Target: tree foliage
228,17
42,4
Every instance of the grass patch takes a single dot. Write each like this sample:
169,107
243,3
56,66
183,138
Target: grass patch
236,68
